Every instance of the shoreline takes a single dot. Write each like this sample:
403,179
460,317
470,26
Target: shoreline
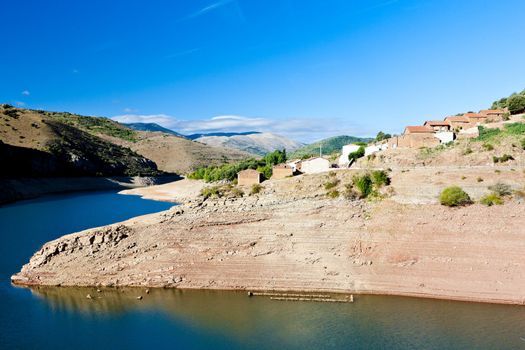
14,190
316,292
292,238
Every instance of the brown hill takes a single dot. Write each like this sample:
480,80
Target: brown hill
80,145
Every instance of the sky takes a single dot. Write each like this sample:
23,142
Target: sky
303,69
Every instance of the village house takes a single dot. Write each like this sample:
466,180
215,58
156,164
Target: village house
376,147
249,177
315,165
438,125
493,114
294,164
468,133
281,171
415,137
458,122
476,118
345,151
441,130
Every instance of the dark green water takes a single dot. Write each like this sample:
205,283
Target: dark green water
51,318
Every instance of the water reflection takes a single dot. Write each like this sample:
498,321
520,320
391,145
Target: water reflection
258,322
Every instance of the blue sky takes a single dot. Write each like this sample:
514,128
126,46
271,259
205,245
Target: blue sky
304,69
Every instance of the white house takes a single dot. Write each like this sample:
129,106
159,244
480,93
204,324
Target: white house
347,149
294,164
375,148
445,136
315,165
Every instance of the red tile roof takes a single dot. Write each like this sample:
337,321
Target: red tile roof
437,123
457,118
474,115
491,111
419,129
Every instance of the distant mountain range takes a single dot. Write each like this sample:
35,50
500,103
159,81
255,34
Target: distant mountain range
227,134
258,143
329,145
255,143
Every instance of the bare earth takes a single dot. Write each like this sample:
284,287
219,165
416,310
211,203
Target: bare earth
291,237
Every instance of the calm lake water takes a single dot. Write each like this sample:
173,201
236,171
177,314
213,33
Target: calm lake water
51,318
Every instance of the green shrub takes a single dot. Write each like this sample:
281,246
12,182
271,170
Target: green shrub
332,173
454,196
349,192
380,178
501,189
488,147
491,199
504,158
479,179
523,144
256,188
515,129
486,134
516,104
506,116
213,191
468,151
333,194
331,184
363,183
236,192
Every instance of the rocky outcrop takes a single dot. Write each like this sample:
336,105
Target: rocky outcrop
304,242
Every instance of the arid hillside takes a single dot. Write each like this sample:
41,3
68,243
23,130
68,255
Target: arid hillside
97,146
501,143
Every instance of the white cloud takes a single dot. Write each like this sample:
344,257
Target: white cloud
161,119
129,110
26,93
208,8
20,103
301,129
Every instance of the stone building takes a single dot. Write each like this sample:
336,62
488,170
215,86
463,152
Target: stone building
248,177
281,171
315,165
458,122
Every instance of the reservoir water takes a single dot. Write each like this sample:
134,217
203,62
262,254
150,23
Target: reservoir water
51,318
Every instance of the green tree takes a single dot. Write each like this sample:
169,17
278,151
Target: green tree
516,104
357,154
382,136
275,157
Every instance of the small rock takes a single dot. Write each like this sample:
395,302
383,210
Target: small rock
147,291
98,291
89,296
139,297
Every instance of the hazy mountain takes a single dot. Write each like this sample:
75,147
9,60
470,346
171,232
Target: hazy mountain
151,127
227,134
252,142
329,145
